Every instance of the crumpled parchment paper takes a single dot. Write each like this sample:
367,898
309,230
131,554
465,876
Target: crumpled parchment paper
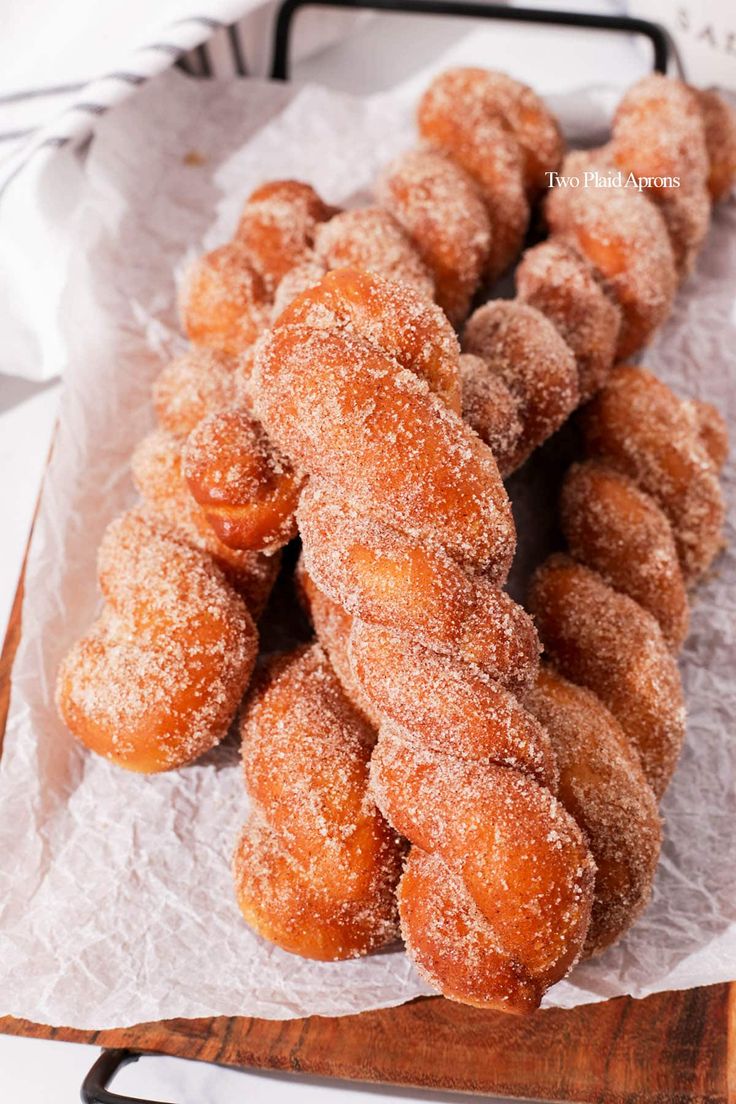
116,904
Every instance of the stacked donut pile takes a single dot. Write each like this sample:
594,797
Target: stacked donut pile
416,769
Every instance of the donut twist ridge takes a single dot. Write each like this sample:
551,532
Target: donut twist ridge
613,613
405,523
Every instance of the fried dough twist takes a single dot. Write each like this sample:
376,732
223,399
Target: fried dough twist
406,525
642,517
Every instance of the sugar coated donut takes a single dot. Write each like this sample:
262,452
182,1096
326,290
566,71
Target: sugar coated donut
442,211
522,347
224,302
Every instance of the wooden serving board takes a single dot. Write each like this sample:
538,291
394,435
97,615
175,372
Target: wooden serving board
672,1048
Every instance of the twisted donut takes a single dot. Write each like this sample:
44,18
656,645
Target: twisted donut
602,785
405,524
156,680
500,133
370,239
642,517
607,276
434,235
316,865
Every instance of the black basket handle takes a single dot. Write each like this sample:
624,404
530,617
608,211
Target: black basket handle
624,23
94,1087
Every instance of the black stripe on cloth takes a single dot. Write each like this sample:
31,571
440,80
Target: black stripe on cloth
39,93
9,135
127,78
90,108
205,20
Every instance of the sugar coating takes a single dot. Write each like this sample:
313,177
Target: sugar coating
316,866
332,625
641,428
719,120
371,239
624,236
405,526
524,349
603,640
246,489
277,228
156,680
443,212
491,410
157,473
603,787
557,280
461,114
224,301
197,383
620,531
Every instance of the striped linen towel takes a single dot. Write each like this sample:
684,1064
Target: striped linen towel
59,73
62,67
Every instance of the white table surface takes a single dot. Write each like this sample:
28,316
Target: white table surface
41,1072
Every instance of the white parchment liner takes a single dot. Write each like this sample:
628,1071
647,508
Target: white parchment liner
116,904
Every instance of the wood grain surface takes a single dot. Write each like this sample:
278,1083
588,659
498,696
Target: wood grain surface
672,1048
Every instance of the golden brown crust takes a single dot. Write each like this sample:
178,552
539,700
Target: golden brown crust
156,680
458,115
719,119
246,490
711,428
624,237
156,467
523,348
451,944
604,641
659,136
371,239
196,384
603,787
451,707
642,429
559,282
380,575
332,626
443,212
344,408
522,858
278,226
658,131
405,524
400,322
490,409
619,531
225,303
316,866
